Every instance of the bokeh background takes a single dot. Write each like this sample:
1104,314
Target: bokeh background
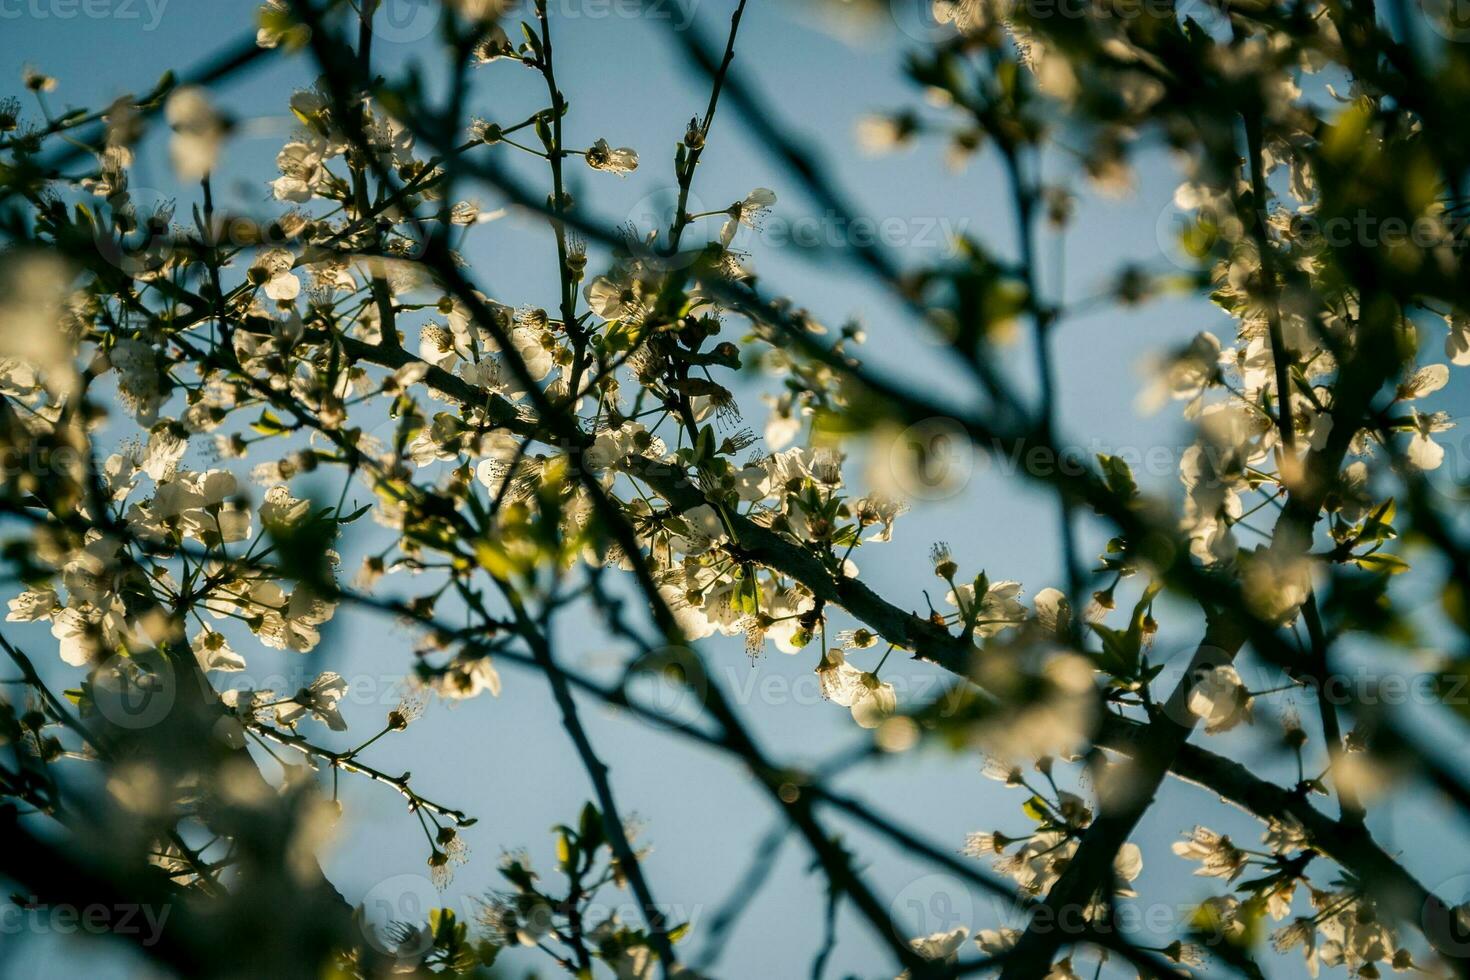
507,760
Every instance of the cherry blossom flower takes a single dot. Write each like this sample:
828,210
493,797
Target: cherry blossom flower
319,699
198,132
1219,698
620,161
1218,857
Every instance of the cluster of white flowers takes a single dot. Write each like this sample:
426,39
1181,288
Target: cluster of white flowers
1035,860
1231,391
88,615
318,699
1043,854
614,397
1345,927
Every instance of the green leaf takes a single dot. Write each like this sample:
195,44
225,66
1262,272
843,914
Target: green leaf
591,833
355,514
494,559
441,923
1383,563
532,38
1118,476
1453,601
1378,527
1135,625
268,424
1119,655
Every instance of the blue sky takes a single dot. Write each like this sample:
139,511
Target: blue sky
507,760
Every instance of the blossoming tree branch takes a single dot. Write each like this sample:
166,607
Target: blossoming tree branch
173,373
